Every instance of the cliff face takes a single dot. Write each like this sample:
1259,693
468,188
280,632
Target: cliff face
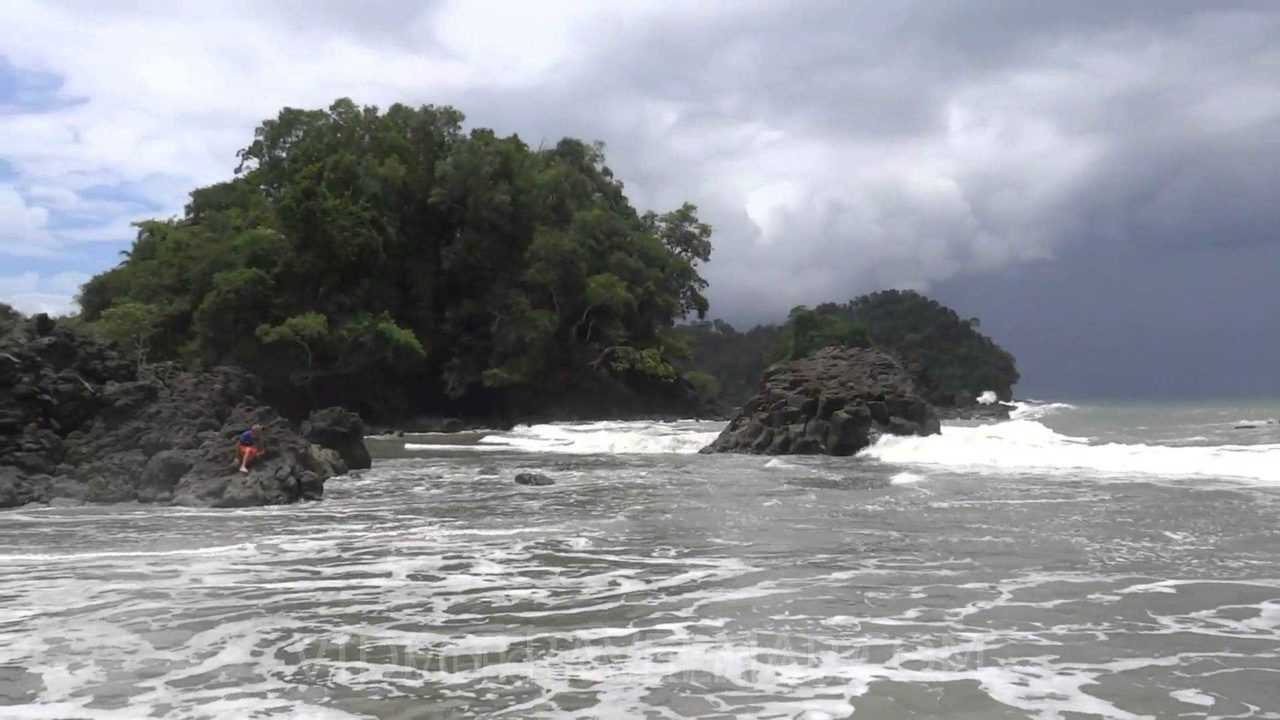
76,422
834,402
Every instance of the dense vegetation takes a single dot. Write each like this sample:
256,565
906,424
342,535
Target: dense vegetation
734,359
390,262
952,360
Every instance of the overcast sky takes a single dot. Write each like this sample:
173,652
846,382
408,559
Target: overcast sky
1098,181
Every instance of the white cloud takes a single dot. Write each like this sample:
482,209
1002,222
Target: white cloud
23,227
31,293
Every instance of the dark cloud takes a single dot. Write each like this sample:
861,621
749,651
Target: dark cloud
1115,321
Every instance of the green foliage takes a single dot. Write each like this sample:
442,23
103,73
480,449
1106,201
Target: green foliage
380,340
704,384
647,363
736,359
498,378
130,325
955,361
306,331
689,239
224,319
808,331
352,239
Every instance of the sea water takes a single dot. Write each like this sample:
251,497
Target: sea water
1077,561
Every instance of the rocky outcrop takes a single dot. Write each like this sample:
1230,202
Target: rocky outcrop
534,479
342,431
77,422
834,402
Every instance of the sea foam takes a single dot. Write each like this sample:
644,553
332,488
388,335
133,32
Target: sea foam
638,438
1024,445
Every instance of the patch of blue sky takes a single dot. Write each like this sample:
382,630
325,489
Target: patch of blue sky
90,259
37,284
74,227
128,196
24,90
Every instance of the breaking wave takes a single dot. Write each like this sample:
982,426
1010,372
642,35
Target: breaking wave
606,437
1023,445
1036,409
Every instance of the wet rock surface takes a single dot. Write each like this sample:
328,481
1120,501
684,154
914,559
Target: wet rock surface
834,402
342,431
78,422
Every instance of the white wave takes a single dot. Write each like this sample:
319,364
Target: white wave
640,438
1028,446
1247,423
1193,697
1036,409
431,447
240,549
906,478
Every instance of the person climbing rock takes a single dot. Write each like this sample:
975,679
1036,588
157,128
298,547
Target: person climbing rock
249,446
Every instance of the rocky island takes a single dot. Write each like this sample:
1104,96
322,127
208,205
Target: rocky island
834,402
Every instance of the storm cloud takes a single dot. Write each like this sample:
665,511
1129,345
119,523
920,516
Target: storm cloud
1097,181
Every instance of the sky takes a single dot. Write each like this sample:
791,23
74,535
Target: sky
1099,182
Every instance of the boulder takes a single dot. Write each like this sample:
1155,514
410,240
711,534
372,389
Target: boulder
834,402
340,430
533,479
161,475
323,460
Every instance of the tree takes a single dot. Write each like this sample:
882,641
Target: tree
608,294
704,384
130,325
808,331
689,240
303,330
956,362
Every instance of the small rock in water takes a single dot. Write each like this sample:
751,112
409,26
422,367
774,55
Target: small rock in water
533,479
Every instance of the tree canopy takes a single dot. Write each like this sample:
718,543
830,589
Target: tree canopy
130,325
389,259
957,361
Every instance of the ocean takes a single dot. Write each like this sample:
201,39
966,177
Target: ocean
1081,560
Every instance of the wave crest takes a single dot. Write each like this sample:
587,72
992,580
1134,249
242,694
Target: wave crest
1024,445
606,437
